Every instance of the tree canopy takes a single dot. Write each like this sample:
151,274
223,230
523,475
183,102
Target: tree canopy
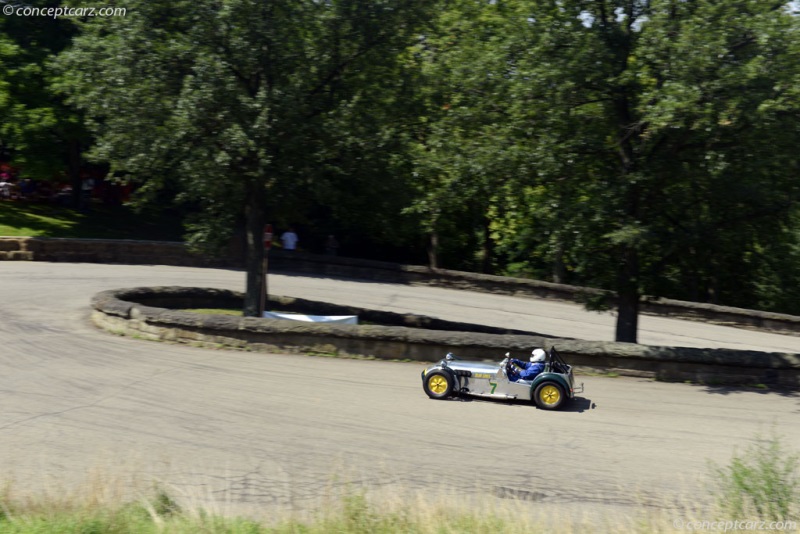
43,134
248,105
642,147
646,147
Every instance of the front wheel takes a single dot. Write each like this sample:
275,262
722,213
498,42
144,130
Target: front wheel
549,396
438,385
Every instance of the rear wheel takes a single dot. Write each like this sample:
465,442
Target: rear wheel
549,396
438,385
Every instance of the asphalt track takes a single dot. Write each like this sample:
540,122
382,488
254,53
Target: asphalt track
255,432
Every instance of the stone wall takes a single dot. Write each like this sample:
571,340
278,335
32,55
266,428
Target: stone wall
103,251
170,253
133,312
522,287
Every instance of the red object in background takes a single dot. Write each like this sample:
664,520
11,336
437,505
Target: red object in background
267,237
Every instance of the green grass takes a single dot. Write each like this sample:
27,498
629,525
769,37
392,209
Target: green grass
215,311
760,485
24,219
354,513
764,482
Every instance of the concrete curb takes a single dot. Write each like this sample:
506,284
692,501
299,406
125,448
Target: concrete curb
150,313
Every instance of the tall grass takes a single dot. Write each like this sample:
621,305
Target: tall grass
354,512
762,483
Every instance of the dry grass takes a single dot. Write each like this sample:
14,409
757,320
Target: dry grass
107,504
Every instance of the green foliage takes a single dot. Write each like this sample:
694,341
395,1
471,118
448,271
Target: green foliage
36,126
763,482
641,147
638,147
163,505
251,110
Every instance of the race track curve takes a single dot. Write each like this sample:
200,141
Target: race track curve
253,433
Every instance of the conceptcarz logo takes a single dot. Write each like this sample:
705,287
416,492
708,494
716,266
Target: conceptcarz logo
24,10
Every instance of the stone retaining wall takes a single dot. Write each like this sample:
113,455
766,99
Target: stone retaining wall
132,312
103,251
522,287
170,253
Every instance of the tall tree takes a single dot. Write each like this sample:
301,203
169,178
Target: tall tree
649,143
239,101
462,148
42,133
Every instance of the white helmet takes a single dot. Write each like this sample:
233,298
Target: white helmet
538,355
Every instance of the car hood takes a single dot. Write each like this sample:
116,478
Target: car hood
475,367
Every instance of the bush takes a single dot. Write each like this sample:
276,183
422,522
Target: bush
762,483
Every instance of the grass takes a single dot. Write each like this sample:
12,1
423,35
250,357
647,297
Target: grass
760,485
763,482
24,219
353,513
214,311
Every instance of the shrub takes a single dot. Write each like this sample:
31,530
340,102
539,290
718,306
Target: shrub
762,483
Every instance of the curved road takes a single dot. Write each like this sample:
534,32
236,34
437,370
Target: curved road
254,433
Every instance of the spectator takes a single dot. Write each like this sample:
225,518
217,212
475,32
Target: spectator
5,185
87,188
289,239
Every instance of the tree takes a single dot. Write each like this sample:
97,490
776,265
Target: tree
647,145
241,102
462,149
43,134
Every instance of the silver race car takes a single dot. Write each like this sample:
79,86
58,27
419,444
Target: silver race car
550,389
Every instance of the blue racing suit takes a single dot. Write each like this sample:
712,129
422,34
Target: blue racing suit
528,372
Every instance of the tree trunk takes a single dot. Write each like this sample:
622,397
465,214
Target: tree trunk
628,273
433,250
559,269
628,298
254,247
74,170
487,248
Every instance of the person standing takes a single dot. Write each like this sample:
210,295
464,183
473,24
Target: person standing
289,239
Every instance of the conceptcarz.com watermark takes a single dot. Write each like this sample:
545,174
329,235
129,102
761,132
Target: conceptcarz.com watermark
733,526
19,10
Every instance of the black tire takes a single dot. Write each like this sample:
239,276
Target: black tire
438,384
549,396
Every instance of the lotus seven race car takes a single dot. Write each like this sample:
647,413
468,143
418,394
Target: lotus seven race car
550,389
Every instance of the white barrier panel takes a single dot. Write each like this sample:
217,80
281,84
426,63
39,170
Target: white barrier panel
340,319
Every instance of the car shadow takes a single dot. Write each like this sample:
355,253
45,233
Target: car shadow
576,405
579,405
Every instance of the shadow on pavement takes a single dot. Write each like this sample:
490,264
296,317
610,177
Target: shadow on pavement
760,389
576,405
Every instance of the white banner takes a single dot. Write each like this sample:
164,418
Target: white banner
339,319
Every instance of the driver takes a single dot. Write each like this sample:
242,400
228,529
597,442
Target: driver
529,369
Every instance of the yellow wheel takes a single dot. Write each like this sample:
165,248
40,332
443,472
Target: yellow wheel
438,384
549,396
